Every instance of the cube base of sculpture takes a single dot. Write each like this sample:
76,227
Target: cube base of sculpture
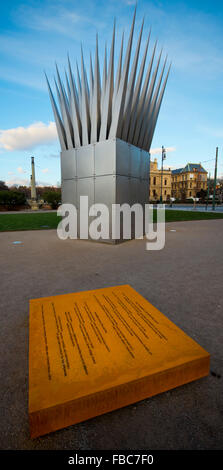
108,172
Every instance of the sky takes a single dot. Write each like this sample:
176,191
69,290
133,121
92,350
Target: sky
35,34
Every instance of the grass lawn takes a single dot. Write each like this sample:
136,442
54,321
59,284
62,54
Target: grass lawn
33,221
178,216
44,221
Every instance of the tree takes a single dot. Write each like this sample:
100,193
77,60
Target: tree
3,186
53,198
12,199
182,191
25,190
202,194
41,190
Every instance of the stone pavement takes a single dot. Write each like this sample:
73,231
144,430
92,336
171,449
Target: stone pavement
184,281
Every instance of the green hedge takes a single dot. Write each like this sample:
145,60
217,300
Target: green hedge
12,199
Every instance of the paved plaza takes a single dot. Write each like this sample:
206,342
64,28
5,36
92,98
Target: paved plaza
184,281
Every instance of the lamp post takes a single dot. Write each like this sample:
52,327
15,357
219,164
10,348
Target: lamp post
163,158
198,184
209,178
215,179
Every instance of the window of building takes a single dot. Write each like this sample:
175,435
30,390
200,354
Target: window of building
165,192
154,192
190,193
165,182
154,180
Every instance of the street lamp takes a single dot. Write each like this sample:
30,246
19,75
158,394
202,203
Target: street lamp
215,179
163,158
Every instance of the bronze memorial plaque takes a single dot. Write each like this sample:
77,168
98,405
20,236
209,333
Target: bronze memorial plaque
95,351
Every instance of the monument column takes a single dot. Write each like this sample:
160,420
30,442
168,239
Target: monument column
33,181
34,205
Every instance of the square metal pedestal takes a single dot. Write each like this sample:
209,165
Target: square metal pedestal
108,172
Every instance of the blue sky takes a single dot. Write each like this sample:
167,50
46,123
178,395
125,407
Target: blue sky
35,34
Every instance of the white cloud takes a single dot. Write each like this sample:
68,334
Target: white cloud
20,170
26,182
22,76
60,20
42,184
159,150
21,138
18,182
45,170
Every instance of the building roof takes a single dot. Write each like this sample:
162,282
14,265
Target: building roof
190,167
175,172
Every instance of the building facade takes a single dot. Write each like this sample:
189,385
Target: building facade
156,175
188,181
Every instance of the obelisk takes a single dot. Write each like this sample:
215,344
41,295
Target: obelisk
34,205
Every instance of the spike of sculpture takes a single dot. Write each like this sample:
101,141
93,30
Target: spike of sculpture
125,110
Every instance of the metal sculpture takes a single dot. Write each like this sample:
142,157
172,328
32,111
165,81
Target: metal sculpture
106,121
